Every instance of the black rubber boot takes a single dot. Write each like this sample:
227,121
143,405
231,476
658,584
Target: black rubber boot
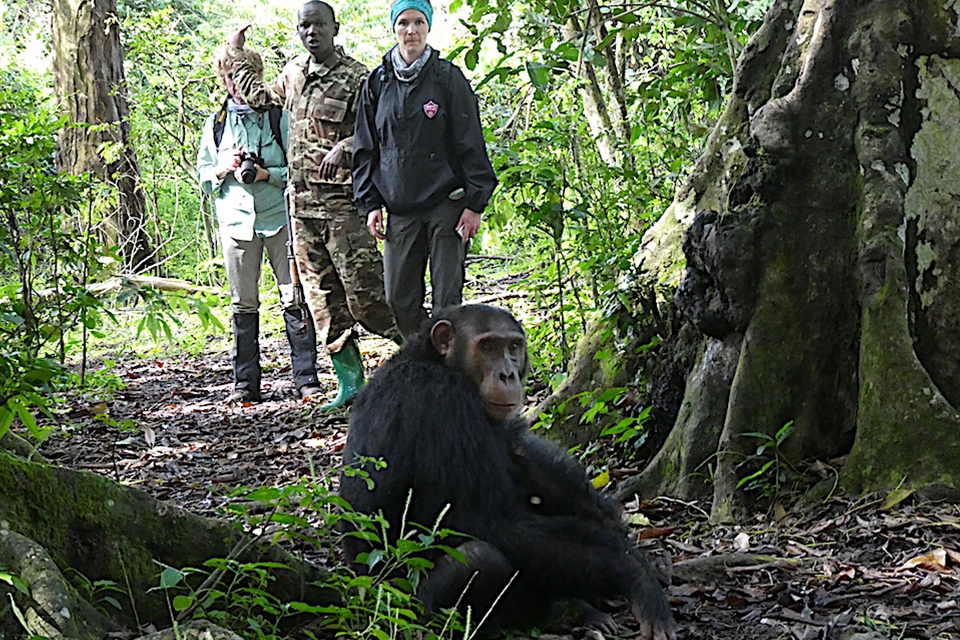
246,358
303,350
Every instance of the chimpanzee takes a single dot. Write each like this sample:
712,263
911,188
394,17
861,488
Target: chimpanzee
441,413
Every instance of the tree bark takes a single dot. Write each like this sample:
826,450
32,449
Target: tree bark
52,610
612,76
606,124
821,258
91,89
106,531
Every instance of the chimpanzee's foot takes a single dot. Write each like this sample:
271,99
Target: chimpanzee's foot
596,619
653,624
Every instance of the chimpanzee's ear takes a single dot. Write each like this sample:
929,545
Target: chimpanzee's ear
441,335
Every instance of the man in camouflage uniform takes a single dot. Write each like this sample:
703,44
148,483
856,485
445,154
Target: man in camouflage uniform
340,265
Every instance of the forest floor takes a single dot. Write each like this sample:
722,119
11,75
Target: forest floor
835,569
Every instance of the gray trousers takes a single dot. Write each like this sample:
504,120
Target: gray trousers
243,259
412,241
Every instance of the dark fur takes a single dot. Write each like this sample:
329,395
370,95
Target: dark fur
427,421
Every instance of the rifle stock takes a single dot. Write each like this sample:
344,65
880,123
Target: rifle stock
298,298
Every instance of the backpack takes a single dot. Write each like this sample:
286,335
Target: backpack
274,115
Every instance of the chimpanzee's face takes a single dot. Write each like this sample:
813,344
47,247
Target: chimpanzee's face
497,362
493,355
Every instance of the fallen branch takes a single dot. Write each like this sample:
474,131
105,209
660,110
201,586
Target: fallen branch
194,630
479,258
496,297
152,282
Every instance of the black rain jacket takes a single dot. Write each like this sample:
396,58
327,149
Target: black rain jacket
415,143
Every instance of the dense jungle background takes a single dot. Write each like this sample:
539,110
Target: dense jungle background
728,226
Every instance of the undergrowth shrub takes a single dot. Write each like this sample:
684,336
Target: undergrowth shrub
306,517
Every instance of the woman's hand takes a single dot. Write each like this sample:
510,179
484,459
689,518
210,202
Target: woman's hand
262,173
229,161
469,225
375,224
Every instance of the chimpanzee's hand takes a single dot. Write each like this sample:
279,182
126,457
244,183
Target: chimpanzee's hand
595,619
238,38
651,612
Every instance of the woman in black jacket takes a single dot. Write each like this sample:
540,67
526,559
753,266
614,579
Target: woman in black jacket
419,154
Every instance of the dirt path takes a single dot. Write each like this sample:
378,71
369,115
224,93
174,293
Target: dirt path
840,570
168,432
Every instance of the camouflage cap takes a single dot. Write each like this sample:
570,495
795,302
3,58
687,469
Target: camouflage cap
226,57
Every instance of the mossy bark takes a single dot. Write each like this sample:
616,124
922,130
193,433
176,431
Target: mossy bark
585,373
686,463
909,341
822,273
107,531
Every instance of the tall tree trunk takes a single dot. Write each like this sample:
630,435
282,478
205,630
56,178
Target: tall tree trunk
606,112
822,245
613,78
89,82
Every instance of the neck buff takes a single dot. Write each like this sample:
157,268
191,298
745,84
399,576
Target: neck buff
239,109
409,73
420,5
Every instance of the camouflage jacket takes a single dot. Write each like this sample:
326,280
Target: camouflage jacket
322,109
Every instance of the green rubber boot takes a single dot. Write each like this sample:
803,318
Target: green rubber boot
349,367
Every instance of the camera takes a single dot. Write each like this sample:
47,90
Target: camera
248,167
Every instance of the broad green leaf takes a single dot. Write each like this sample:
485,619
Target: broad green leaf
170,577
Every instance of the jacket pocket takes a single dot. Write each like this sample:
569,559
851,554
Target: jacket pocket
408,179
331,110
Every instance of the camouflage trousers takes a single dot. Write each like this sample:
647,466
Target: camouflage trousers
342,275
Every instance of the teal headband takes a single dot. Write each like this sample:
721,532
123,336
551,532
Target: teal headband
420,5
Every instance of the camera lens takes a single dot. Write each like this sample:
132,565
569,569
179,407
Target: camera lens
248,171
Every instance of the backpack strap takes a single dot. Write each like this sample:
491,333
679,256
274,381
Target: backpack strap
219,122
274,115
380,76
376,81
